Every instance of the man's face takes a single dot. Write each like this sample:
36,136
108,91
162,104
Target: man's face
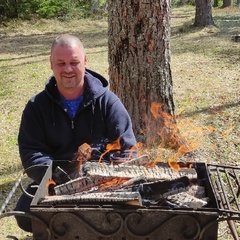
68,65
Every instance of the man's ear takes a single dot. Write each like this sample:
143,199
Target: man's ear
85,59
50,60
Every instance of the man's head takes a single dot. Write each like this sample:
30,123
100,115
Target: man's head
68,62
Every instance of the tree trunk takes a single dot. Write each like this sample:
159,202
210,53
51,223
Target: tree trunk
226,3
203,16
139,58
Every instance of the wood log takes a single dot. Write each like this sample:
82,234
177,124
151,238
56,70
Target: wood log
92,169
126,197
184,199
80,184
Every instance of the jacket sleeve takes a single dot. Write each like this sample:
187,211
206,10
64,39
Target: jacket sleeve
120,128
32,144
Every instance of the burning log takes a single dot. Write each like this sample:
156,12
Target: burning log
155,183
121,183
86,184
124,171
80,184
99,173
127,197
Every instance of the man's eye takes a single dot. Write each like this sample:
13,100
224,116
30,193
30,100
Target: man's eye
74,63
61,64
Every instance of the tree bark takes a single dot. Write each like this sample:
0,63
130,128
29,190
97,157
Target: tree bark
139,58
203,15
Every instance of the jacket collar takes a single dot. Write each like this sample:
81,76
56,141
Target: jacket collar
94,86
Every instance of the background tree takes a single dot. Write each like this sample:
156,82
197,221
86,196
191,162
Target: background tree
203,14
139,58
226,3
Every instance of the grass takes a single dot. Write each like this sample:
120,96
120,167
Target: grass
205,69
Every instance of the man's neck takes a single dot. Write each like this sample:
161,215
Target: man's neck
71,94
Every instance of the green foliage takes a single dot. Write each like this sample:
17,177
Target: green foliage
53,8
18,8
25,9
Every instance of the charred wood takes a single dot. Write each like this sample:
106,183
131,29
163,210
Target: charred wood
184,199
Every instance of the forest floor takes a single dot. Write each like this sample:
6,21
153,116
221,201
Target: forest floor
205,65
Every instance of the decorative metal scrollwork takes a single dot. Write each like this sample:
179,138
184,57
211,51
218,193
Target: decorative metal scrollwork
183,226
71,226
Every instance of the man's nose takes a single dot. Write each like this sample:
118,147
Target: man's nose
68,68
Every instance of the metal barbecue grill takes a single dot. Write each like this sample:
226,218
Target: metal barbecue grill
110,218
113,220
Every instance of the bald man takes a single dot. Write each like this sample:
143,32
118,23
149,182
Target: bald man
75,107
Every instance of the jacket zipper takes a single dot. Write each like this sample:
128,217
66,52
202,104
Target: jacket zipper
72,122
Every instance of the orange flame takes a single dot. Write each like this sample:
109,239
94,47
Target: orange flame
111,146
175,135
114,145
167,124
112,183
133,148
50,182
175,166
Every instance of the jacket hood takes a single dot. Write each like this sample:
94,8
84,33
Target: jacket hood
94,86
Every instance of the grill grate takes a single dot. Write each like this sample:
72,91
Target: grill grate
226,186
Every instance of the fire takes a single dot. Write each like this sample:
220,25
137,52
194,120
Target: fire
111,146
176,135
133,148
49,186
50,182
116,145
167,125
112,183
175,166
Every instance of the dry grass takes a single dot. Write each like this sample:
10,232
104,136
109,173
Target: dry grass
205,66
205,69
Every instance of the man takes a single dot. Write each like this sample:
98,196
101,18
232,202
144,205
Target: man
74,108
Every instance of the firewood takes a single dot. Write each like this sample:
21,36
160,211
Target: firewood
80,184
123,171
183,199
126,197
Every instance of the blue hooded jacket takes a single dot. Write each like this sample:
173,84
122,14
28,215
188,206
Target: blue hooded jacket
47,132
